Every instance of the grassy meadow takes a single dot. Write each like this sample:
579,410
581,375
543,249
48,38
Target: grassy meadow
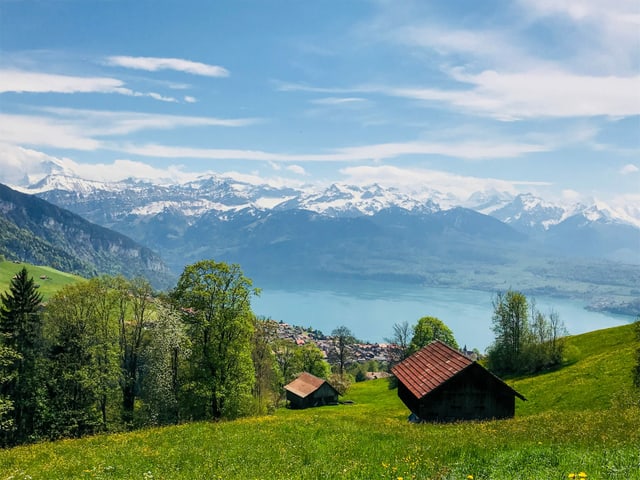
578,419
54,281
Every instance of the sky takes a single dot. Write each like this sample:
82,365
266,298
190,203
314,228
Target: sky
538,96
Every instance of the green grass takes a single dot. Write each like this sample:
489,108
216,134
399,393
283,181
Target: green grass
568,425
54,282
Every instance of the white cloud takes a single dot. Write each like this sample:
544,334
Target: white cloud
37,82
297,169
20,166
417,180
190,99
338,100
19,81
80,129
539,94
628,169
153,64
373,152
45,132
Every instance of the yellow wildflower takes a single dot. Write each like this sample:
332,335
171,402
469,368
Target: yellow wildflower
572,475
582,475
469,477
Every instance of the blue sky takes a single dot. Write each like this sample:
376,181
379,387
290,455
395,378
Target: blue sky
525,95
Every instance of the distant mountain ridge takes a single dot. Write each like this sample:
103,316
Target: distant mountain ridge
344,232
36,231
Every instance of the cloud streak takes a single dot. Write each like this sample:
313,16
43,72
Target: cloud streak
373,152
20,81
153,64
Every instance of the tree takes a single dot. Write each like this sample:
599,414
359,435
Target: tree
288,361
343,340
429,329
268,377
166,349
8,359
21,334
84,370
511,328
215,298
401,340
310,359
134,308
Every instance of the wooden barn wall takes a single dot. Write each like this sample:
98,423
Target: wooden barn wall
325,395
474,394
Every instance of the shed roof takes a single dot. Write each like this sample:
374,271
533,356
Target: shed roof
305,384
429,367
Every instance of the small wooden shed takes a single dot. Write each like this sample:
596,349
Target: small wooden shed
440,384
310,391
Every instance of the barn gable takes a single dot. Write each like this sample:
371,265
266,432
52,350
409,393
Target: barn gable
310,391
438,383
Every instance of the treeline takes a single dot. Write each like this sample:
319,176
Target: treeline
526,340
109,354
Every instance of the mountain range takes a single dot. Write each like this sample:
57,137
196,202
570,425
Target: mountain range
310,235
36,231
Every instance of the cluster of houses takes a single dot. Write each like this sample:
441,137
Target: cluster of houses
360,352
437,384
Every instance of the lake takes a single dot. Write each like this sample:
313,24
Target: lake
371,310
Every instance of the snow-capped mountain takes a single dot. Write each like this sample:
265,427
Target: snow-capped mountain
178,219
225,195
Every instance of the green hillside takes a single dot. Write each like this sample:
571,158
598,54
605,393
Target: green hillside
573,422
53,282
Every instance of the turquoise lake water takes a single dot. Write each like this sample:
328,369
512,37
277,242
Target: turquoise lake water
370,312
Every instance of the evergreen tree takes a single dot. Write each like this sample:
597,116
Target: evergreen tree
21,334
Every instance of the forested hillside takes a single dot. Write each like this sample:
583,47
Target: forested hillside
36,231
579,419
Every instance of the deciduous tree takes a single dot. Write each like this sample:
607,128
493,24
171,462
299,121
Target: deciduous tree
215,298
429,329
511,329
343,340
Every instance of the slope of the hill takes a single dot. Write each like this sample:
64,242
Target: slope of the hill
371,438
36,231
49,279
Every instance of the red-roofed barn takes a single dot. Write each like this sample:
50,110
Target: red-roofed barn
440,384
310,391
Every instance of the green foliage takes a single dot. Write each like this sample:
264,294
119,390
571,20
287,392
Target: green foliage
84,368
341,383
21,337
268,377
215,297
429,329
526,340
368,439
167,348
309,358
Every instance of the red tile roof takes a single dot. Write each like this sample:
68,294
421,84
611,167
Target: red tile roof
428,368
304,385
